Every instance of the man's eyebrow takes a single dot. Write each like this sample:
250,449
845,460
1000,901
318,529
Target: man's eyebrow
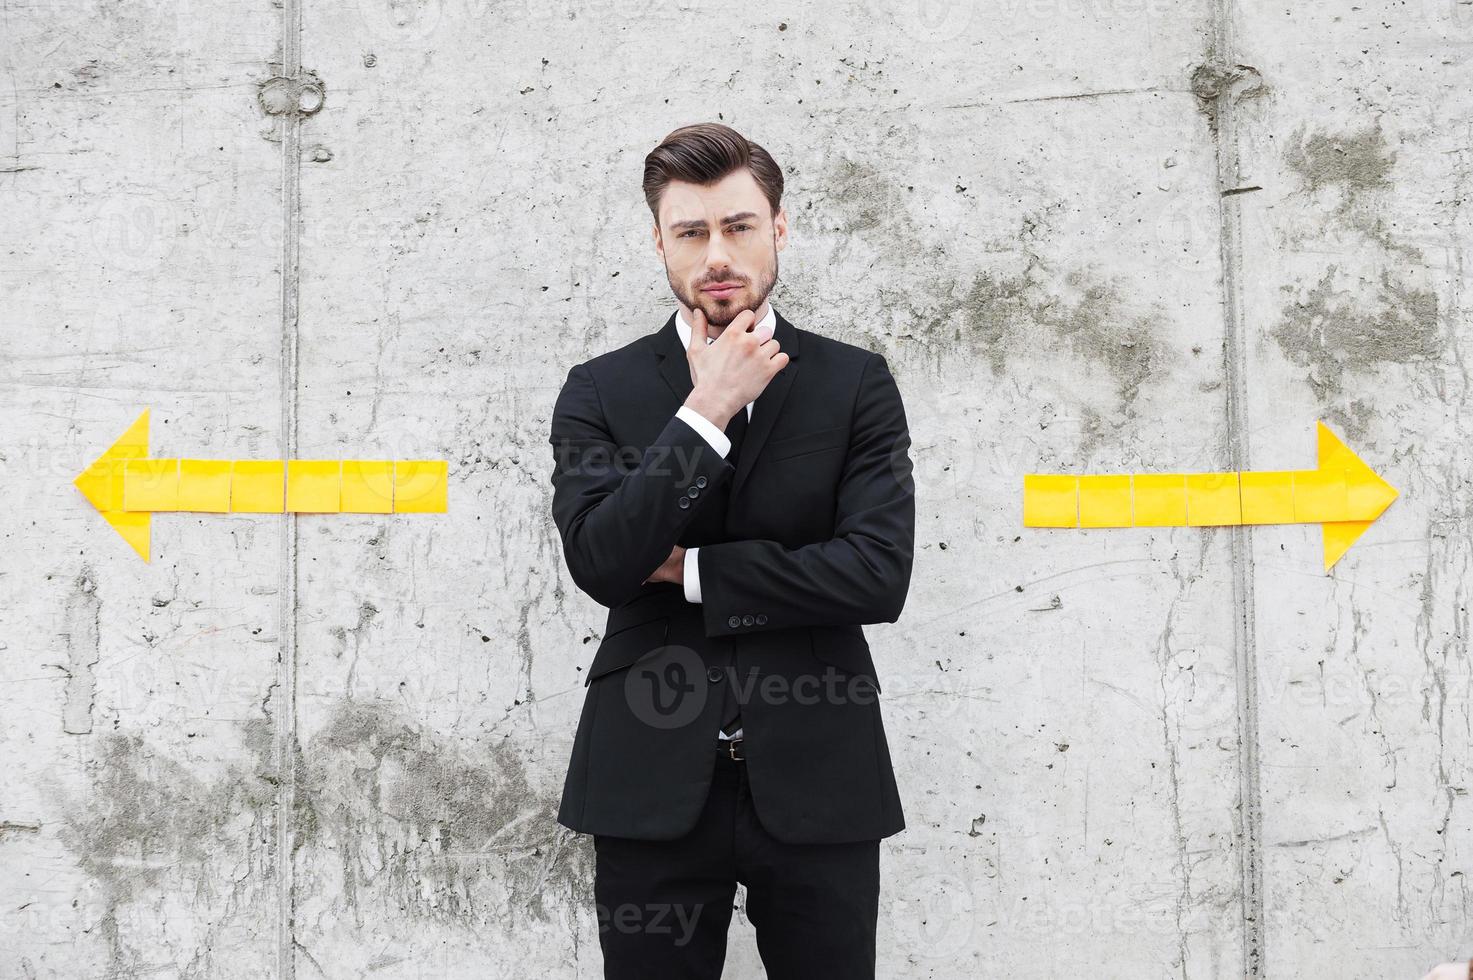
700,222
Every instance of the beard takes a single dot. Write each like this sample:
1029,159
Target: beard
720,312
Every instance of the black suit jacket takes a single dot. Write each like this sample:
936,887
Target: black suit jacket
806,539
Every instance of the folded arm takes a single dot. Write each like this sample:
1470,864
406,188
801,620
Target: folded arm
862,574
618,509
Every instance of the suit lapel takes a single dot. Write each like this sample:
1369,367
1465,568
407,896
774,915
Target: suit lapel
676,372
765,410
671,360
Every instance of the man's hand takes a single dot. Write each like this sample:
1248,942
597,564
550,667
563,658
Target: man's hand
733,370
1450,971
673,569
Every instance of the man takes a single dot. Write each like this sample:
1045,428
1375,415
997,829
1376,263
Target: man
738,492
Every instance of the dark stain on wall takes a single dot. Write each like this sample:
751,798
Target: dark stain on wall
1335,331
1000,316
1352,162
421,822
424,826
148,825
148,817
1344,325
84,649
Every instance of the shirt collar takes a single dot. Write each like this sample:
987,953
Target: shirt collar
683,328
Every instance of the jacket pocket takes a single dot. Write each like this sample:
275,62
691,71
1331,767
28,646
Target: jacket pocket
818,440
627,645
845,649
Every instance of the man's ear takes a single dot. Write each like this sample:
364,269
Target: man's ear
659,243
780,229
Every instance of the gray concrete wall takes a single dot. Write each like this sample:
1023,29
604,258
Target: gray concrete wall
1088,235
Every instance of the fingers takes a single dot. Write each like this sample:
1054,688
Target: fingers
741,324
697,329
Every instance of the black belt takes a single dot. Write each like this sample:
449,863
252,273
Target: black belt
731,748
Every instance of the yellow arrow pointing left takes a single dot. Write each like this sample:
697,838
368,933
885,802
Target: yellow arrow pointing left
127,487
102,483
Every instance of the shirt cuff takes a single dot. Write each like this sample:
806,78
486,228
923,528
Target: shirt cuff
708,429
692,574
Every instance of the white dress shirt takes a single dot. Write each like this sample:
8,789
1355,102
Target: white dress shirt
712,433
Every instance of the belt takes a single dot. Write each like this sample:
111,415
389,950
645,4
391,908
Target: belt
731,748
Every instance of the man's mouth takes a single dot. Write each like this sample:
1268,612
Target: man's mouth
722,290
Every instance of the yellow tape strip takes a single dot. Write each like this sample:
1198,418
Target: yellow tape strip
368,486
1050,501
420,486
1329,495
1160,499
314,485
258,486
151,484
273,486
1212,499
1268,497
1104,501
204,485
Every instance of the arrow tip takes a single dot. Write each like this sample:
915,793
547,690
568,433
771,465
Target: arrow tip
1370,494
1338,536
135,527
102,484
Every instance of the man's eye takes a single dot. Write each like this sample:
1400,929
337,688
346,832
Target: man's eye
741,227
687,234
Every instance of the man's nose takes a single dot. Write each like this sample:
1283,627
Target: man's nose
716,255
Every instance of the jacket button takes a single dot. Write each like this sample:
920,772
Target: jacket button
747,620
693,493
701,482
713,675
761,619
734,622
684,502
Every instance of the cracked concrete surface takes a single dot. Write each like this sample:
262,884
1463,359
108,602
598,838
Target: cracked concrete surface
1107,236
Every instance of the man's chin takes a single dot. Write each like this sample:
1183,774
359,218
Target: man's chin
720,312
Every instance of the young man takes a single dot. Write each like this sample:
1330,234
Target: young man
738,492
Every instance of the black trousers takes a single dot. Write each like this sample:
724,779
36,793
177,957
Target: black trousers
664,906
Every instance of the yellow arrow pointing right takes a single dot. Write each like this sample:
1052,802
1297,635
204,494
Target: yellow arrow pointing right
1343,495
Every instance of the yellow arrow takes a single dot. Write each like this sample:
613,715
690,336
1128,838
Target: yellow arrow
1343,496
128,487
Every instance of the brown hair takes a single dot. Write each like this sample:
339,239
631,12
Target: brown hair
704,153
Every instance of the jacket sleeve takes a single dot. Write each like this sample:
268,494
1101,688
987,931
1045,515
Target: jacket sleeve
862,574
618,508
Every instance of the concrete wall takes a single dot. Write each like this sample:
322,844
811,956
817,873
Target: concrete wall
1088,235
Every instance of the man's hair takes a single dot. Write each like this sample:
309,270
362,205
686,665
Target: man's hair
704,153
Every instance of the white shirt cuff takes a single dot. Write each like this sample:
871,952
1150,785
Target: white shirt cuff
692,572
709,430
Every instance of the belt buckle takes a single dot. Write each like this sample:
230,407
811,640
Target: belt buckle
733,749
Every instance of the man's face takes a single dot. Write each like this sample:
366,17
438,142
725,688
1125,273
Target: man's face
722,235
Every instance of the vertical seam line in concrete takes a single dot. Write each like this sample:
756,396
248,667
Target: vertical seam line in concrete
1250,851
286,717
